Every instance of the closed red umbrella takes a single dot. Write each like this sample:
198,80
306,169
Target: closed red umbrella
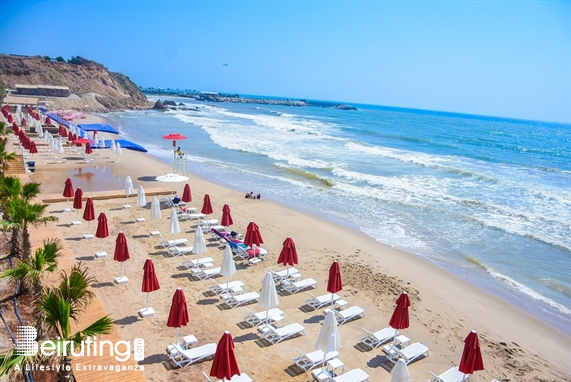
225,364
10,118
288,254
89,215
471,360
77,204
23,122
206,205
150,284
226,216
186,194
88,149
33,149
253,236
121,255
334,282
48,121
101,233
178,315
399,319
68,193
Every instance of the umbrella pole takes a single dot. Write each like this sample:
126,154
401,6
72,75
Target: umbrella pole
141,214
147,308
76,213
88,225
122,263
101,249
155,224
394,345
177,335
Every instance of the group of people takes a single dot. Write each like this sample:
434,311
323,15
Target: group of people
250,195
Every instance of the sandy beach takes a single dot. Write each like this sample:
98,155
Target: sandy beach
515,346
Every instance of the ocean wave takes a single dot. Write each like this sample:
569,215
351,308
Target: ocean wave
305,174
557,286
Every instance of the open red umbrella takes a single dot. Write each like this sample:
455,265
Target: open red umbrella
288,254
186,194
68,193
174,137
178,315
334,282
121,255
150,284
471,360
225,364
101,233
89,215
399,319
206,205
226,216
77,204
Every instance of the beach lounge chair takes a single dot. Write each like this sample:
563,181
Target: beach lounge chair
409,353
348,314
175,251
294,287
182,209
308,361
184,357
204,262
355,375
252,255
376,339
450,375
231,287
236,300
169,243
243,377
283,274
275,336
188,216
203,273
255,319
317,302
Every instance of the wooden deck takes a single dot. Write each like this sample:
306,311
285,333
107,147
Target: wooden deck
92,313
104,195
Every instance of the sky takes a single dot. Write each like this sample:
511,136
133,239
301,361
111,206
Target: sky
496,58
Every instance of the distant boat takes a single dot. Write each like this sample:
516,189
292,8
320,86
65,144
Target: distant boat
226,64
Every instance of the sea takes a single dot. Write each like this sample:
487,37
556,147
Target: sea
486,198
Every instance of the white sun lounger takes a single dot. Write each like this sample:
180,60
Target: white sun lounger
225,287
169,243
243,377
184,357
283,274
347,314
308,361
202,273
317,302
187,216
192,263
294,287
236,300
177,251
255,319
275,336
450,375
409,353
355,375
376,339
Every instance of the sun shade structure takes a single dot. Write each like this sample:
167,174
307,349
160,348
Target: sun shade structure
334,282
174,137
329,338
171,178
77,205
178,315
67,193
400,373
141,202
101,233
206,205
225,364
471,360
121,255
150,284
226,220
399,319
89,216
288,254
155,215
186,194
129,190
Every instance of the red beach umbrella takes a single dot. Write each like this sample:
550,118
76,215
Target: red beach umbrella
80,141
88,149
48,121
253,235
89,215
121,255
471,360
186,194
178,315
150,284
226,216
63,132
33,149
399,319
288,254
10,118
101,233
206,205
23,122
68,193
77,204
225,364
334,282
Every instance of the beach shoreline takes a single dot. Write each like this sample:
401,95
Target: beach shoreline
446,309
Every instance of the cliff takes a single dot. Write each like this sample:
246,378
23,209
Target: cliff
92,86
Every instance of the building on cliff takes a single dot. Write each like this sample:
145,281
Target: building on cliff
42,90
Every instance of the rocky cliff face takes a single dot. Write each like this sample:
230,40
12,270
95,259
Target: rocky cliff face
92,86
